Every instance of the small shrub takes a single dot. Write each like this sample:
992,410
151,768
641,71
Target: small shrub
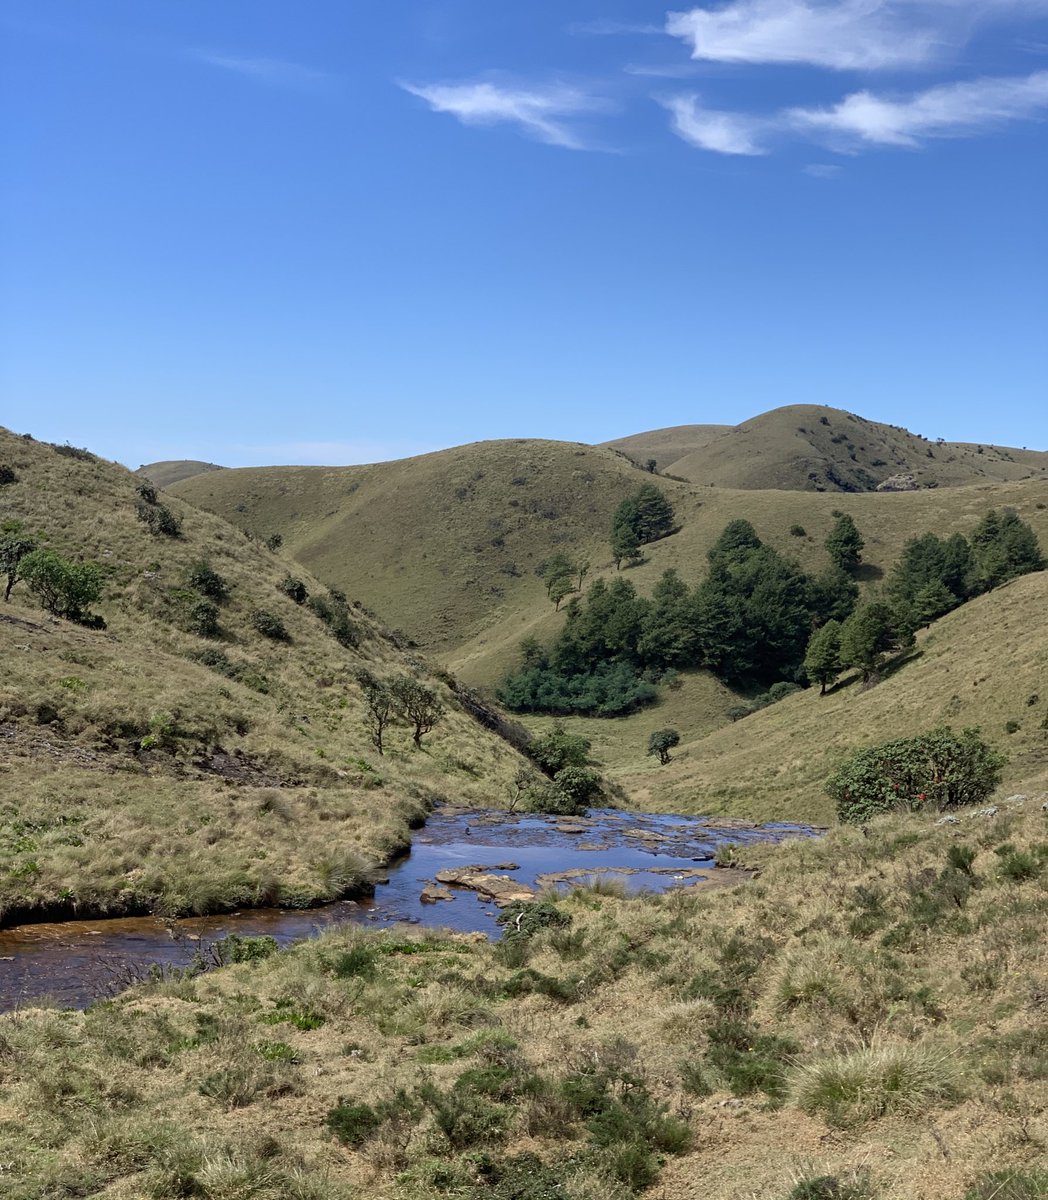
216,660
279,1052
940,769
204,579
7,475
269,625
274,542
798,531
661,742
1018,866
874,1082
159,520
202,619
353,1124
294,588
1012,727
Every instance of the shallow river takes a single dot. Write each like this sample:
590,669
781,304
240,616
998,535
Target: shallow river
75,962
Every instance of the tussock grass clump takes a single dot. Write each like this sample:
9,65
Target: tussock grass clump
1017,1184
875,1081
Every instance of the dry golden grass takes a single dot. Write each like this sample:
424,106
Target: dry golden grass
164,474
805,447
928,1050
76,705
667,446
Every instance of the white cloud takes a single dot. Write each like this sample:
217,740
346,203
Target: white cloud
822,170
855,34
863,118
709,129
950,110
539,111
272,71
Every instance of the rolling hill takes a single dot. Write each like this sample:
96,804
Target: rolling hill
667,446
164,474
809,447
148,767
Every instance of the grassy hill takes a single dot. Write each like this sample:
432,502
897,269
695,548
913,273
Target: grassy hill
164,474
809,447
444,545
667,446
149,768
866,1021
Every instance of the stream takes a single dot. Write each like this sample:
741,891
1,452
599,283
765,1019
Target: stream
72,963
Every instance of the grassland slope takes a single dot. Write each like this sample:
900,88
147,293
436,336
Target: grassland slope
810,447
165,474
149,768
444,545
669,445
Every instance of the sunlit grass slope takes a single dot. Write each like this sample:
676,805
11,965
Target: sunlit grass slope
985,664
870,1013
164,474
137,777
667,446
811,447
444,545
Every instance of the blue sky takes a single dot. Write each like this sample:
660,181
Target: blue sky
336,231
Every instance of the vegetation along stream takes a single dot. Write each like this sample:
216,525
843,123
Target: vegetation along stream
462,866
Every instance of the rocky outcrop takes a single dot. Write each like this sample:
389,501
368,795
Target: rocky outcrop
499,888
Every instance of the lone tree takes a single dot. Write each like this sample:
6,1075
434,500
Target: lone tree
15,545
380,707
64,588
662,742
845,543
624,545
559,589
419,705
822,662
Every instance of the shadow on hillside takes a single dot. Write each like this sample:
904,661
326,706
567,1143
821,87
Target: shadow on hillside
887,670
868,573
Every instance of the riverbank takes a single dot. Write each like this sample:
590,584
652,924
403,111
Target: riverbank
512,855
869,1011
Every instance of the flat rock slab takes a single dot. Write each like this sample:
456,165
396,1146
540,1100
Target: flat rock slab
433,892
499,888
572,828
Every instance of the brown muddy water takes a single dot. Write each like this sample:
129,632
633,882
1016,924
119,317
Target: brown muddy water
72,963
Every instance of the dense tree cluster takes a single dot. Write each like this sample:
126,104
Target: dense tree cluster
933,576
749,621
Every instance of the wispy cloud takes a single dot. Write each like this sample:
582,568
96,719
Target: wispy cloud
950,110
822,170
855,34
541,111
273,72
606,28
709,129
866,119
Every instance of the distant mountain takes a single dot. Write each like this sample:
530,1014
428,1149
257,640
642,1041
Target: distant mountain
164,474
809,447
